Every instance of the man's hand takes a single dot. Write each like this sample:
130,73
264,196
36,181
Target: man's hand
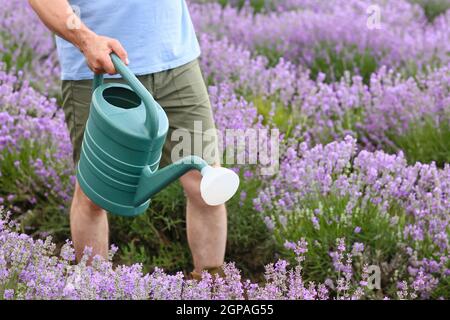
97,51
56,13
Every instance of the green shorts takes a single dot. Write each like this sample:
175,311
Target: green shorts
182,94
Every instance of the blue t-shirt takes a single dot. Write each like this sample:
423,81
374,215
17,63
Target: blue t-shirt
157,34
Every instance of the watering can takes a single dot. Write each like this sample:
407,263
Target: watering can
122,146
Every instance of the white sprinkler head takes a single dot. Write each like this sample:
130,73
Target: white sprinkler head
218,185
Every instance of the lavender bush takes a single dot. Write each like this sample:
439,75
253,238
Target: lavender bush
402,39
390,112
31,269
432,8
399,212
26,45
34,145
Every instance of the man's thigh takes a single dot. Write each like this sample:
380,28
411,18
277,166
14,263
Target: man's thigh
183,95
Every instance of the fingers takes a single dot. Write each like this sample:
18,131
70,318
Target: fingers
108,65
98,55
103,64
117,48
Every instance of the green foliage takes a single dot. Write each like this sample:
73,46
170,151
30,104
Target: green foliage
275,113
270,52
10,58
433,8
334,64
330,62
285,118
424,142
19,57
341,125
257,5
249,243
153,236
443,289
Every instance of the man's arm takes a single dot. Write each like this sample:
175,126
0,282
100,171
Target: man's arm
59,17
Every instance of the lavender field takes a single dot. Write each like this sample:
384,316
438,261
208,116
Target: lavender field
360,205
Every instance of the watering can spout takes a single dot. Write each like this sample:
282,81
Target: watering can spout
217,186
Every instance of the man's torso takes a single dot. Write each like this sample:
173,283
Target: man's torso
157,34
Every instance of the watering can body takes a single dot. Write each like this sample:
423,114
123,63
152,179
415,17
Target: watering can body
122,147
118,144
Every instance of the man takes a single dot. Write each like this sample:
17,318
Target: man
157,40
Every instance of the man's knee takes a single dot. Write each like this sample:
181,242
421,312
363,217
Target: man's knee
191,185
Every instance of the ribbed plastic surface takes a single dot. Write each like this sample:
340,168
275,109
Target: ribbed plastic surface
117,147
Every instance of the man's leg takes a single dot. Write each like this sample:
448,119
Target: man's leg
206,226
88,222
183,95
88,225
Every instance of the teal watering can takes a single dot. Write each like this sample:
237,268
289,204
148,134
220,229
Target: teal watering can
121,150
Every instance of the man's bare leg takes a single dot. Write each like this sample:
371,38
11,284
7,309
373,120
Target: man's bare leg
206,226
88,224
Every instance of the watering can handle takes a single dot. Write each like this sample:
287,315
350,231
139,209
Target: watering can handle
151,116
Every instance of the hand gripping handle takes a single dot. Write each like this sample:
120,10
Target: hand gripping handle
151,115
